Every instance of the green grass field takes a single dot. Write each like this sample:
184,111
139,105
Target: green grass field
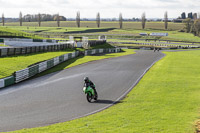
53,29
165,100
128,32
104,24
173,35
12,32
11,64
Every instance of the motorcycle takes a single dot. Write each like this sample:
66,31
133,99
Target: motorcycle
90,93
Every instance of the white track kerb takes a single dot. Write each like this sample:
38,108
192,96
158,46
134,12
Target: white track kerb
32,70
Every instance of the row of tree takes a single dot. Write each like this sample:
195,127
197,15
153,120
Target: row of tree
46,17
143,20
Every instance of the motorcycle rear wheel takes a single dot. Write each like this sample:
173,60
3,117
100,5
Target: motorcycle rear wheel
96,96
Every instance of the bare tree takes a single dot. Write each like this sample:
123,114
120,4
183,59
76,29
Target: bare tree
20,18
166,20
58,20
98,20
3,20
120,21
78,19
39,19
143,20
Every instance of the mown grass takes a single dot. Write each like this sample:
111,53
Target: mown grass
104,24
106,45
173,35
51,29
129,32
14,33
9,65
165,100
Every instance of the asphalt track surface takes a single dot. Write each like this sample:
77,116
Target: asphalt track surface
58,97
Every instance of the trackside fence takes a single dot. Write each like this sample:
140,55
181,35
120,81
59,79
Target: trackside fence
152,45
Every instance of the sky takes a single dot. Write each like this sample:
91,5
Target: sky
106,8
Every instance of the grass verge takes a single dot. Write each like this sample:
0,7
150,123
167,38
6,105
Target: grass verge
166,100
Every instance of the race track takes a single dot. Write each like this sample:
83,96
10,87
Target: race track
58,97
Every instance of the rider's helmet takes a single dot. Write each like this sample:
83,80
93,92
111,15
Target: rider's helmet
86,79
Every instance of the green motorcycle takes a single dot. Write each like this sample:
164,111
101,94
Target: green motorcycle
90,93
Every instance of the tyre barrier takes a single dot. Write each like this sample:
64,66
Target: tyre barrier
7,81
42,66
34,49
100,51
28,40
32,70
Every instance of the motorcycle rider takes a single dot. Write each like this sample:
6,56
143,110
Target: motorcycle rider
89,83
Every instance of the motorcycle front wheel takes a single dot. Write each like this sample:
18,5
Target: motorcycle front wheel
89,97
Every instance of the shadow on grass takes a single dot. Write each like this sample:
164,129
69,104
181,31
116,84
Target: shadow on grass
105,45
90,31
100,101
38,31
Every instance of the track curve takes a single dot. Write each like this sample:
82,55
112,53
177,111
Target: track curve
58,97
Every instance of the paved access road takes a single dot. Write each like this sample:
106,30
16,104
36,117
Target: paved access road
58,97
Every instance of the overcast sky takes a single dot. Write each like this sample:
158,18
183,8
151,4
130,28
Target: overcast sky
107,8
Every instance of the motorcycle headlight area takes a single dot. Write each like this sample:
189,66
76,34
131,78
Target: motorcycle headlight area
84,88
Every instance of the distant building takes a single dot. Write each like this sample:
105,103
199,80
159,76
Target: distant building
190,15
183,16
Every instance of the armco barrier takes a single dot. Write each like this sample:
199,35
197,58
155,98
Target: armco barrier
32,70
